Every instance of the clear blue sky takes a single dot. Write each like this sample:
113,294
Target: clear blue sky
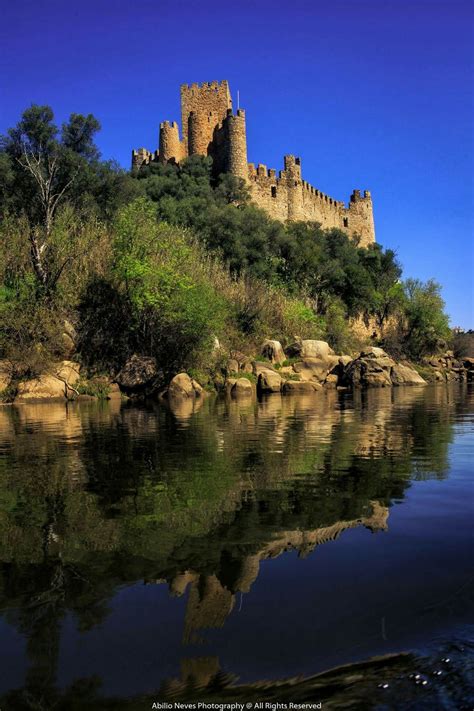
372,94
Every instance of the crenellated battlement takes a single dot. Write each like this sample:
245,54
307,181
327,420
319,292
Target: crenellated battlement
210,127
205,85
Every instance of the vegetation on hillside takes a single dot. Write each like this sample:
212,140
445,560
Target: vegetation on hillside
164,261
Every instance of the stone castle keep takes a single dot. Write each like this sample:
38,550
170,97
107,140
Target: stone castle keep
210,128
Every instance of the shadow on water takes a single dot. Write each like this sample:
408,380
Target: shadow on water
203,498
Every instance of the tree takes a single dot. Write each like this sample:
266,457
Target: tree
174,306
427,325
387,295
47,166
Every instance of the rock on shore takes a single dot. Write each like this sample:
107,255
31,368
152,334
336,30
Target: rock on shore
303,367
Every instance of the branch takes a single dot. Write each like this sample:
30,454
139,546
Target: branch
68,385
57,276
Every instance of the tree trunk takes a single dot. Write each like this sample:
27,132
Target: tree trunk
36,258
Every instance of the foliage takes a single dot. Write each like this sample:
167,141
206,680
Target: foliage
177,311
427,325
97,388
42,167
163,260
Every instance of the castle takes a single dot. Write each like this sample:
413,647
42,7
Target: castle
211,128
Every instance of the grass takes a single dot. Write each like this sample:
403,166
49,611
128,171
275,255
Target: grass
96,388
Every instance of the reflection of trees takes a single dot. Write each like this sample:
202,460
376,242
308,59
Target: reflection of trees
98,495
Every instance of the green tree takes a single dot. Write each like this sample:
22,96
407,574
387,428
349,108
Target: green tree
427,324
176,308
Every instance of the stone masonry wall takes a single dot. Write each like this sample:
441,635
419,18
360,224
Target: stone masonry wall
288,197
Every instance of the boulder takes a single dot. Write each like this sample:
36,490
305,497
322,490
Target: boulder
315,369
371,368
46,387
244,362
269,382
246,366
56,385
138,376
448,368
113,392
259,367
69,347
331,381
468,363
297,387
273,351
309,349
405,375
344,360
242,386
69,338
68,371
339,366
229,384
316,349
294,350
373,352
232,366
182,385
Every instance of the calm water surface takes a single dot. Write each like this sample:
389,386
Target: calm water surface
149,548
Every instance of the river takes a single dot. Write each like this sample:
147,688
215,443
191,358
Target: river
169,551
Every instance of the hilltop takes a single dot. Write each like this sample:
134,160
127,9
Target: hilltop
176,264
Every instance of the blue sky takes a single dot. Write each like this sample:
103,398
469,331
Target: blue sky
372,94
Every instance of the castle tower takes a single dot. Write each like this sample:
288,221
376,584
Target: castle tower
199,135
209,103
140,157
292,173
236,144
360,217
171,148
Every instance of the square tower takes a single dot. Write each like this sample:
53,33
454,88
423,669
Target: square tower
205,107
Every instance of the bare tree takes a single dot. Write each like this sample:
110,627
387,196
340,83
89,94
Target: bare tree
44,168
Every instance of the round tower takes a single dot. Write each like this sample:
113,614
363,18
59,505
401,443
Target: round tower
170,145
198,134
236,144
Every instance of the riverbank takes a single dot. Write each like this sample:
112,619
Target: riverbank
304,366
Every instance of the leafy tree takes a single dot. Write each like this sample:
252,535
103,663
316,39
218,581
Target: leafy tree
427,325
176,308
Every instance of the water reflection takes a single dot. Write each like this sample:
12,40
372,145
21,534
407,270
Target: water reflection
97,496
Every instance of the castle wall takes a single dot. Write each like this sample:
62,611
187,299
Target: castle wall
288,197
